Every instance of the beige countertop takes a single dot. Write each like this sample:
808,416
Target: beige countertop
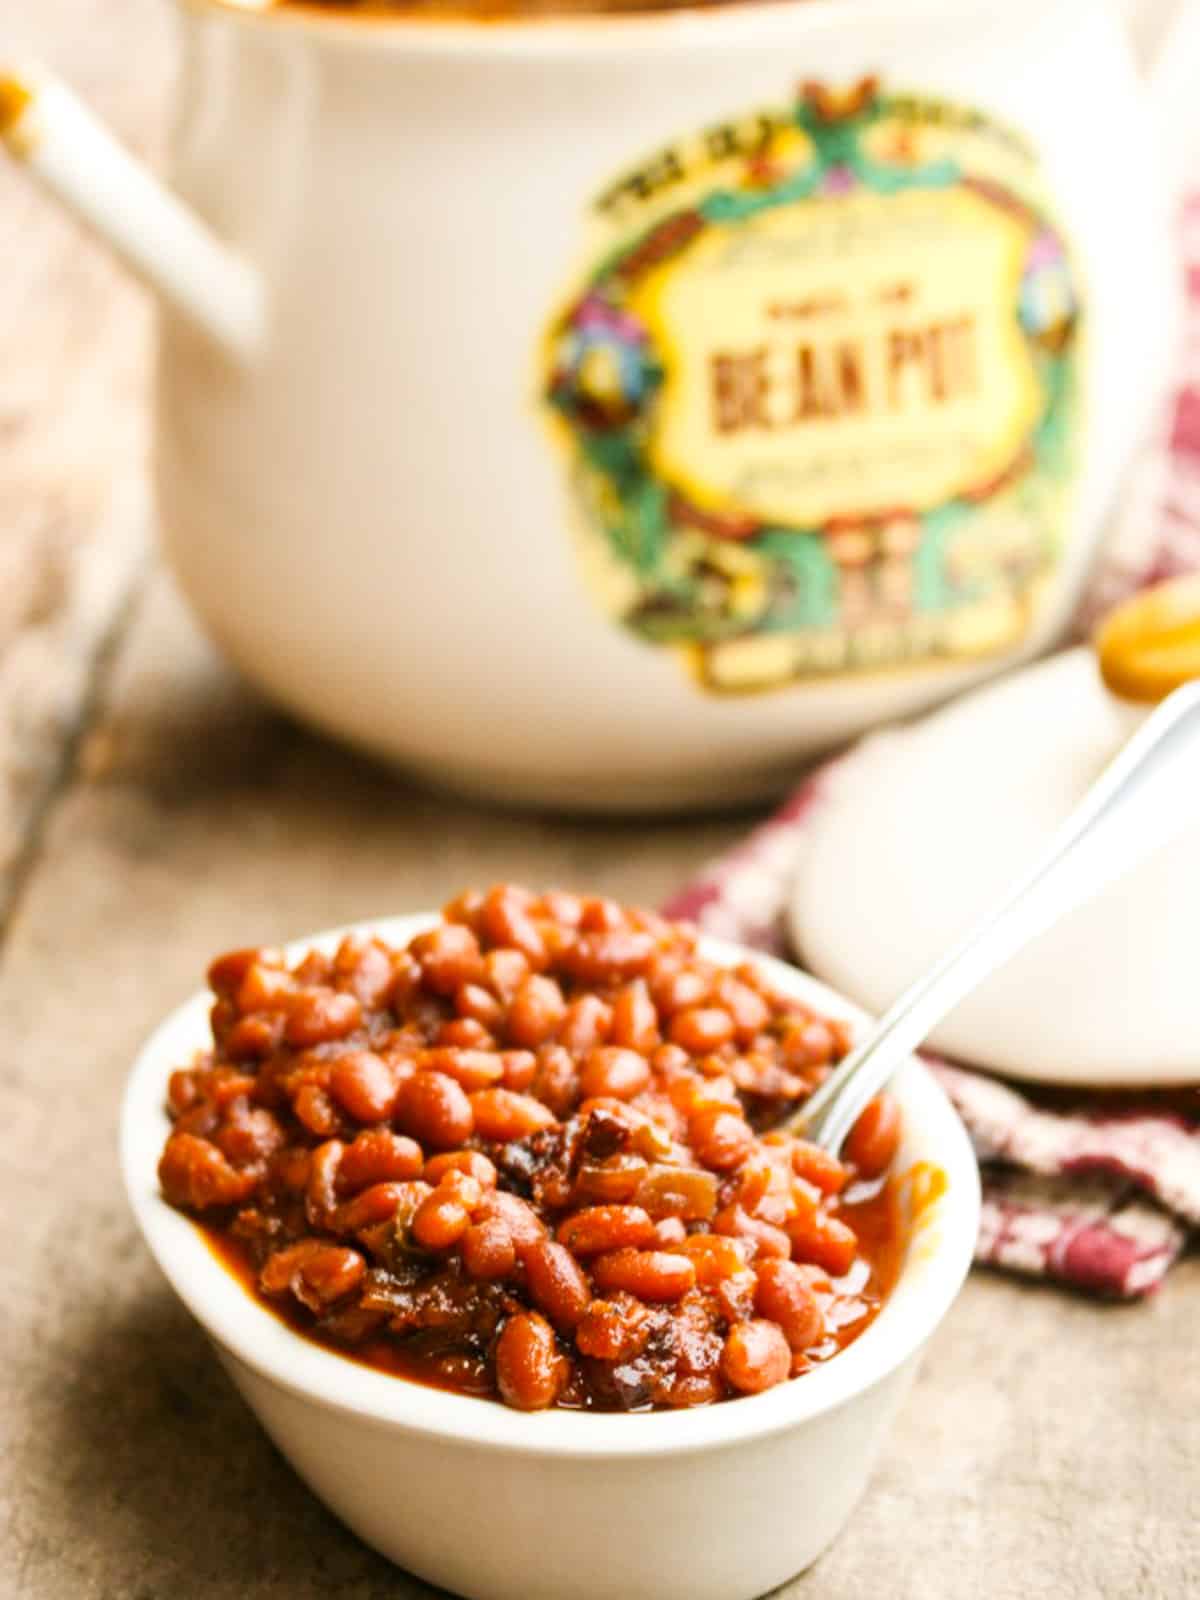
151,812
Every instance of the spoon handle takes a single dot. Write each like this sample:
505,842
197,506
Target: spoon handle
1140,800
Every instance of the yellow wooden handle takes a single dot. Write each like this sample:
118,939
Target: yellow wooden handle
1151,644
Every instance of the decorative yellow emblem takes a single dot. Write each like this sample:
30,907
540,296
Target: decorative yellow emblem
842,339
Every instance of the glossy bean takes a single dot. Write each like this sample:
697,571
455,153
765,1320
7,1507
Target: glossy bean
518,1070
321,1197
435,1110
318,1016
556,1080
784,1295
196,1175
255,1038
714,1257
608,957
530,1369
767,1239
476,1004
473,1162
654,1275
379,1203
669,1233
464,908
314,1107
755,1357
281,1267
818,1167
612,1072
556,1283
488,1251
378,1155
678,991
226,972
463,1033
597,1229
505,920
449,956
747,1009
536,1013
586,1024
701,1029
634,1018
875,1137
501,1114
440,1221
687,1192
264,988
470,1069
613,1330
719,1138
524,1225
364,1085
827,1242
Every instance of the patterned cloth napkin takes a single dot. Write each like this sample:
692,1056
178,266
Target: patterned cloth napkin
1098,1190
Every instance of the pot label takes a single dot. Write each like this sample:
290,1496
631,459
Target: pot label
818,390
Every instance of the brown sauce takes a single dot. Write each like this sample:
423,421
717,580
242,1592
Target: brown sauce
878,1219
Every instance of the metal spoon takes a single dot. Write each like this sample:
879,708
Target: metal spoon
1139,802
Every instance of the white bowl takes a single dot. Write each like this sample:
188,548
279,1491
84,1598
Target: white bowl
719,1503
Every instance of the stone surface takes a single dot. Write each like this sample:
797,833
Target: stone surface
155,812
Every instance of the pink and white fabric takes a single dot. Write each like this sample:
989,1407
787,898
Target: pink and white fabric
1092,1192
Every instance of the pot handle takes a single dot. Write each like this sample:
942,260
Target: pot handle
62,144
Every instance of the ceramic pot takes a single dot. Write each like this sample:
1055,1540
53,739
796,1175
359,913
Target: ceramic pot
605,411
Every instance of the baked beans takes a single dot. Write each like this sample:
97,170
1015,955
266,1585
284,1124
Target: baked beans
529,1156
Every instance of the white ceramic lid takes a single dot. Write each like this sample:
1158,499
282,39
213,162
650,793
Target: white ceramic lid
920,830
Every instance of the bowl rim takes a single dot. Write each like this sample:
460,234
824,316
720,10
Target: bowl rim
243,1328
690,24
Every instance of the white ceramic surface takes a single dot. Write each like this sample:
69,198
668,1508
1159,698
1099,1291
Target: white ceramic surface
721,1503
921,831
357,488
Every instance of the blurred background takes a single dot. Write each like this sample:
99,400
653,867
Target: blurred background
75,335
153,810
